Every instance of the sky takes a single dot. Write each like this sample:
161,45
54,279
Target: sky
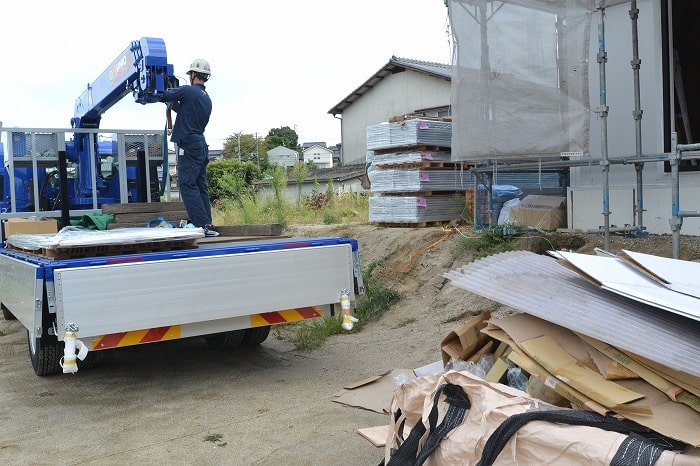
274,63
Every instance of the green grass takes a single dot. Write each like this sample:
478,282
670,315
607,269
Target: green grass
213,438
313,209
310,335
490,240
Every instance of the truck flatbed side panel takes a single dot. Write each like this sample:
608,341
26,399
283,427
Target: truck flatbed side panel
208,284
21,285
203,249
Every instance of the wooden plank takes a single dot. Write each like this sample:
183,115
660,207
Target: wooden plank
269,229
142,218
75,252
412,147
376,435
139,207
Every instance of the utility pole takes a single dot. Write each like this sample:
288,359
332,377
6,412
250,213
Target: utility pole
238,150
257,156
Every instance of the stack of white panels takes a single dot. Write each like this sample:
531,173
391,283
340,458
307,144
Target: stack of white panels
414,209
409,133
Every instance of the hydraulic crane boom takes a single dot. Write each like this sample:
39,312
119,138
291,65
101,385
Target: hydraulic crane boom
141,69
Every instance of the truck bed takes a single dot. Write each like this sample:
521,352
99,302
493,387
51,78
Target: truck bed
214,287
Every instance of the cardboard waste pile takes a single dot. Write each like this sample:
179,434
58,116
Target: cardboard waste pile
601,339
616,335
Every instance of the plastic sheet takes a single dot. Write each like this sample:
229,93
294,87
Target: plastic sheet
519,81
75,236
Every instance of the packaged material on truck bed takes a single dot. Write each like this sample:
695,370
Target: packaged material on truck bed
72,237
29,226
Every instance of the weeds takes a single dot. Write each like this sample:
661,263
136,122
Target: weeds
346,207
307,336
213,438
491,240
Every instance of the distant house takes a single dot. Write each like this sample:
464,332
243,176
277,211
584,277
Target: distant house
337,159
307,145
400,87
319,155
282,156
345,179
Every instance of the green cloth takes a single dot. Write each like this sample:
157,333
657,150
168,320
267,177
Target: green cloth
94,221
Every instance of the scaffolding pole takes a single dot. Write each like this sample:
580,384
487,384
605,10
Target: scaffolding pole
637,114
602,58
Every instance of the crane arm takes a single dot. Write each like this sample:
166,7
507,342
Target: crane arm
141,69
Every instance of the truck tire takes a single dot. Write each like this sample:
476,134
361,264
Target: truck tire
93,358
45,353
256,335
225,340
6,313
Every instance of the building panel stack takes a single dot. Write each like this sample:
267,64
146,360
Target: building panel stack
412,178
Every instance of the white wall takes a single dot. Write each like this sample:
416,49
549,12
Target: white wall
585,200
291,193
322,157
396,94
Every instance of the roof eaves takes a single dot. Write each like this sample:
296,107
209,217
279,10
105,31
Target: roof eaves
390,67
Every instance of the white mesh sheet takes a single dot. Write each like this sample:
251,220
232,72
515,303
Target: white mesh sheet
519,84
410,180
409,133
412,209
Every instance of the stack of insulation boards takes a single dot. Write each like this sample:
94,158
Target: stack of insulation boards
409,133
412,178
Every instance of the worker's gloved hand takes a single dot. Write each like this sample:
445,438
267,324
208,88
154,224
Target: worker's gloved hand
170,132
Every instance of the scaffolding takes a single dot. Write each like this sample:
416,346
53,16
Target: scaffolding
520,96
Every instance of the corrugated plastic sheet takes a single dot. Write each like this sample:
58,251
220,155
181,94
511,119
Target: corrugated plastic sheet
540,286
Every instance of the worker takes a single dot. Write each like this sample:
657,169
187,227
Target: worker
193,107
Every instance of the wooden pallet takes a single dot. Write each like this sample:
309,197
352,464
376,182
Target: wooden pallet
101,250
424,193
412,148
410,224
414,116
423,165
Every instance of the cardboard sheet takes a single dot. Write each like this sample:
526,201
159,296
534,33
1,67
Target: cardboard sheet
374,393
553,357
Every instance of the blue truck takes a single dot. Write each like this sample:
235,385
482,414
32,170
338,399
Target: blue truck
73,307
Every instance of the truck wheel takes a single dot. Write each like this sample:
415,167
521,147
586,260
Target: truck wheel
6,313
256,335
45,353
93,358
224,340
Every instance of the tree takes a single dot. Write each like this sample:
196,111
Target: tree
283,136
231,179
299,172
245,147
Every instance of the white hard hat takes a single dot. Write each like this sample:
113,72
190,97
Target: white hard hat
200,65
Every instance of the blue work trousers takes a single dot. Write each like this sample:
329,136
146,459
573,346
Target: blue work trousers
192,179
